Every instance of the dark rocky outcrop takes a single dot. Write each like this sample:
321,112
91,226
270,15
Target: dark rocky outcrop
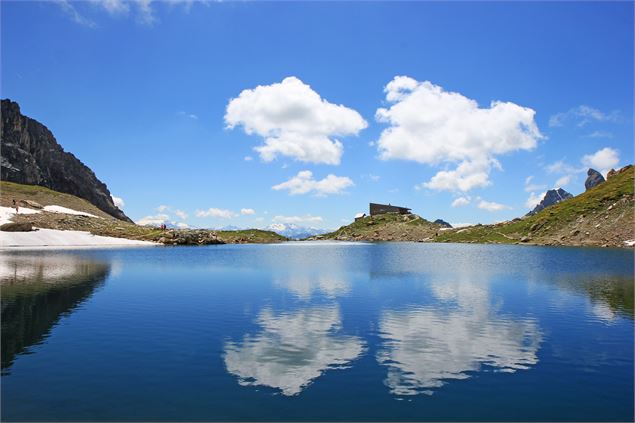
443,223
593,179
17,227
31,155
553,196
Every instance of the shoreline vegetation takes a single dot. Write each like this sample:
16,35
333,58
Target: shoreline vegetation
600,217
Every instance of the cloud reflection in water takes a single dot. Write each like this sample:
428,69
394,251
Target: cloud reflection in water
424,346
293,349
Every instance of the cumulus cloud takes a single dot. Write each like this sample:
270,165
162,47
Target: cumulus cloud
181,214
214,212
118,201
432,126
581,116
154,220
162,208
248,158
247,211
297,219
534,199
492,206
294,121
461,201
304,183
292,350
603,159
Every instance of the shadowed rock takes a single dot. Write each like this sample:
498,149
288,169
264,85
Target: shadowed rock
31,155
593,179
553,196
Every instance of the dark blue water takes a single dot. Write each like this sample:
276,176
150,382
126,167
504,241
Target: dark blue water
297,331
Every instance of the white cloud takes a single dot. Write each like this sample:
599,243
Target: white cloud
582,115
144,11
461,225
162,208
119,203
181,214
432,126
492,206
533,187
599,134
247,211
466,176
182,225
534,199
297,219
563,181
461,201
155,220
304,183
292,350
70,10
189,115
248,158
603,159
294,121
214,212
114,7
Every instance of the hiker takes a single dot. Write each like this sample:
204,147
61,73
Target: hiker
15,205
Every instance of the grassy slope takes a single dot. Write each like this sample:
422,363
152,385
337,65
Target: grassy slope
386,227
46,197
107,225
582,220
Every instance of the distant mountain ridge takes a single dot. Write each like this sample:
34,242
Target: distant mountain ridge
553,196
31,155
293,231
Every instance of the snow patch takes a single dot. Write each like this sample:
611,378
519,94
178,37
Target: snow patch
58,238
7,213
60,209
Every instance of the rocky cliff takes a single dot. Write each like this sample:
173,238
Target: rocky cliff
31,155
553,196
594,178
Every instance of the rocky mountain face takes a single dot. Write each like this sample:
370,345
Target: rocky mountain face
31,155
443,223
553,196
594,178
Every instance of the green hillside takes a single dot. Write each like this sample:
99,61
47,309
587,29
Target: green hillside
601,216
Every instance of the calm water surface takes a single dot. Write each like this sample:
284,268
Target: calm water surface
309,331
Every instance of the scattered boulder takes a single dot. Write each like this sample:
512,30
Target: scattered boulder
443,223
31,204
553,196
17,227
594,178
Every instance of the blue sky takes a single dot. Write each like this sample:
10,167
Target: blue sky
460,111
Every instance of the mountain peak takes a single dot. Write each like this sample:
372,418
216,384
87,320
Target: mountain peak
32,156
553,196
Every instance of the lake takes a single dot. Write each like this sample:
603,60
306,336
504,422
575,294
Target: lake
318,331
